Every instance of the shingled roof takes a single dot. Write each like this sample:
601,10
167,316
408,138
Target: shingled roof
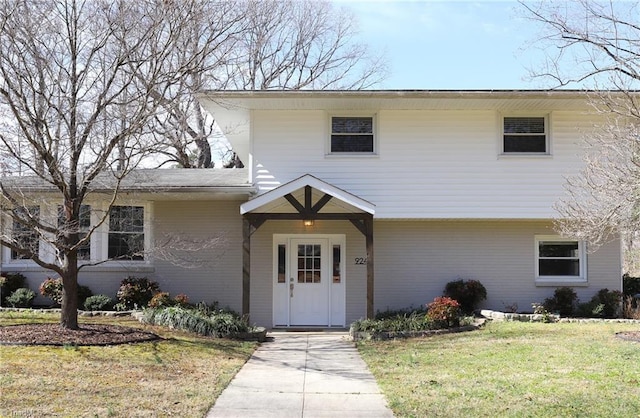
154,181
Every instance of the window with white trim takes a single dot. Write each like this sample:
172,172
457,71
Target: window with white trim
84,224
525,135
352,135
126,233
24,235
560,259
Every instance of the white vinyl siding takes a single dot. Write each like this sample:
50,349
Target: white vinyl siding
430,164
213,273
415,260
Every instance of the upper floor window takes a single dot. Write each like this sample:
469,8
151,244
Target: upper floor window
523,134
84,224
24,235
352,134
126,232
559,258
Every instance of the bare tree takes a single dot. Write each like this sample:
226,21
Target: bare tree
182,127
304,44
604,198
80,85
596,45
282,45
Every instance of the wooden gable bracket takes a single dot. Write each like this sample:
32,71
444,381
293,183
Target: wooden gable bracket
308,211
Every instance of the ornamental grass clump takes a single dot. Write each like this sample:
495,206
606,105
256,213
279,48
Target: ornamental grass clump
443,312
216,324
407,322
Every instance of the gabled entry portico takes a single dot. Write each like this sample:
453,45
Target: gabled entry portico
308,272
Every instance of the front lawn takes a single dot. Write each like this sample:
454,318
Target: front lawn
511,369
181,375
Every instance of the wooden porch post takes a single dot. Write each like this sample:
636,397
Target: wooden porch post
246,267
368,226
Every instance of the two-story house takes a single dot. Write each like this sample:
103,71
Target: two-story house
358,201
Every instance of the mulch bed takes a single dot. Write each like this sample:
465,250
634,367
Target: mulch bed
631,335
88,334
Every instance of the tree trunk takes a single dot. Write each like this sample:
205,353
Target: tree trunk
69,314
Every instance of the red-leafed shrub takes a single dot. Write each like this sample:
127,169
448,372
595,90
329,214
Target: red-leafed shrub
445,311
52,289
182,299
161,299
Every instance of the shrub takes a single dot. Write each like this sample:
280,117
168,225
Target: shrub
22,298
182,299
610,301
161,299
11,283
468,293
83,293
444,310
217,324
630,285
136,292
539,309
52,289
511,308
563,301
99,303
630,309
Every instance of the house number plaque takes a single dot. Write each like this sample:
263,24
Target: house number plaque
360,260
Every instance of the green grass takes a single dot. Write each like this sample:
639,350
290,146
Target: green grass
179,376
511,369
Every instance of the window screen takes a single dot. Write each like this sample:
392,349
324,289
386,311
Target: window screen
524,135
352,134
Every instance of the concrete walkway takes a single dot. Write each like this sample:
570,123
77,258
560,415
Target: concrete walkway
303,375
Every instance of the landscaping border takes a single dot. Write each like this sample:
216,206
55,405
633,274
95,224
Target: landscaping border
391,335
508,316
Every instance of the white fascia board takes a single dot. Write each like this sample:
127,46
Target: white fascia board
314,182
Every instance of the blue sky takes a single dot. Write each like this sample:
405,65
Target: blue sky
450,44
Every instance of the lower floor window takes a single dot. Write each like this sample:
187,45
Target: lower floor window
558,258
126,232
24,234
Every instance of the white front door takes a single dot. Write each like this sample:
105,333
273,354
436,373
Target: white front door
309,281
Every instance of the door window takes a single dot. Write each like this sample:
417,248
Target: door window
309,257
